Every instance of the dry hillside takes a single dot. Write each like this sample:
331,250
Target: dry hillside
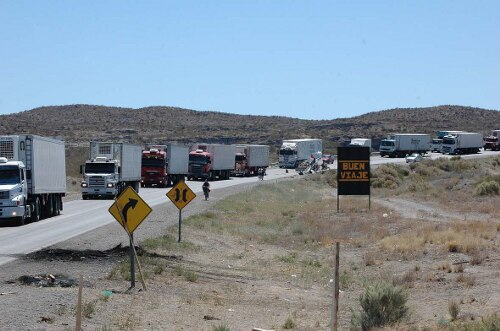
78,124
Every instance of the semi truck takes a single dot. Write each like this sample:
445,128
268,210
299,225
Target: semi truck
211,161
492,141
402,144
249,158
164,165
462,143
110,169
364,142
32,178
295,151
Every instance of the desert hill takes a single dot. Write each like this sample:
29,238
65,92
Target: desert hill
78,124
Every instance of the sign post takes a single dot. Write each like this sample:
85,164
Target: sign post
130,210
353,172
181,195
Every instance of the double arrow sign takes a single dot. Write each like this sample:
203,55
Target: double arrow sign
181,195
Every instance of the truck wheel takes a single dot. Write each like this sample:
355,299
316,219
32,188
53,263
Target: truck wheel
57,206
50,206
20,221
35,215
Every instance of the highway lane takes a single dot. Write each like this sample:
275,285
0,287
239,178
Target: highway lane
80,216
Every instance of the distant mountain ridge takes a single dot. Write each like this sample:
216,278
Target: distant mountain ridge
79,124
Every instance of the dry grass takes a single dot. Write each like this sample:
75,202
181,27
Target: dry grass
473,238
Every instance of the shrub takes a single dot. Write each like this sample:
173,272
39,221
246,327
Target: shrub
489,185
289,324
220,328
382,304
453,309
389,176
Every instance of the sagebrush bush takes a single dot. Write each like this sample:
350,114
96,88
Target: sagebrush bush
488,188
489,185
382,304
389,176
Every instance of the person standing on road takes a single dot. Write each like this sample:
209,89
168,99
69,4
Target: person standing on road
261,173
206,188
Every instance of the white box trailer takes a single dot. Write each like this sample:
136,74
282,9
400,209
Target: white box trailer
249,158
211,161
294,151
462,143
177,159
32,177
111,168
364,142
401,144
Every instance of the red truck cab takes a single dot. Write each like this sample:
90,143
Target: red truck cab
154,167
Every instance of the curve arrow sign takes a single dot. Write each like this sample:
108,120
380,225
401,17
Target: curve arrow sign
130,204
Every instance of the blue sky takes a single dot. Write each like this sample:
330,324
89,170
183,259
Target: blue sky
306,59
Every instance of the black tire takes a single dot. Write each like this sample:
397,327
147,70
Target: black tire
35,215
20,221
50,207
57,205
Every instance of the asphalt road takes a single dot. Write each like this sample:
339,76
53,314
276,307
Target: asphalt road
81,216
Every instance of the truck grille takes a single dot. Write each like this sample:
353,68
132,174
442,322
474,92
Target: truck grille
196,168
4,194
96,181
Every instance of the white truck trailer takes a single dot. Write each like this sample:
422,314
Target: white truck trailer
249,158
210,161
32,177
110,169
402,144
462,143
364,142
177,163
295,151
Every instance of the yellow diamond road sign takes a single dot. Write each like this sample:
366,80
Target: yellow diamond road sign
181,195
132,207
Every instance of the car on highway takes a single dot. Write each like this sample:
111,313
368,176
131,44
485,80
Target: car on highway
415,157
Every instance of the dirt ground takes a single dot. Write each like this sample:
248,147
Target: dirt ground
218,277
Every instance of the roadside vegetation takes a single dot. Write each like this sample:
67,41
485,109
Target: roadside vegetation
265,257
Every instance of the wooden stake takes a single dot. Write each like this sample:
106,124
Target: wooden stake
79,306
335,308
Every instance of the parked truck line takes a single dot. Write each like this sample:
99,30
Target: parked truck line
32,177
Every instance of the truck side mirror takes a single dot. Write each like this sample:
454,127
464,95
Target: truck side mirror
28,174
119,169
81,168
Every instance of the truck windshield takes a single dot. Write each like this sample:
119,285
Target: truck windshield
152,162
386,143
9,175
240,157
99,168
287,152
198,159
